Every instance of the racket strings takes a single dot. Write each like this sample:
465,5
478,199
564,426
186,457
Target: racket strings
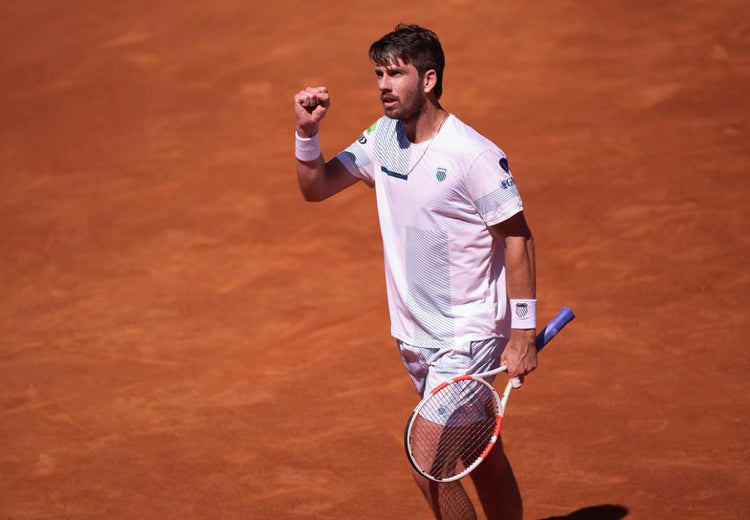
453,428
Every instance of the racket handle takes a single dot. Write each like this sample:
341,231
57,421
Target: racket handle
550,330
555,325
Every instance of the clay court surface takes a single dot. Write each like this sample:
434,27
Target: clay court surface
181,336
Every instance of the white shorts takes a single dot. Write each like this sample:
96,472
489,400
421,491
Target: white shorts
428,367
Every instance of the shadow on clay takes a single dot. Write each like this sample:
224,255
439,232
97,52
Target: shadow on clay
602,512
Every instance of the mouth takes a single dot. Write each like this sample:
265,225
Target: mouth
388,102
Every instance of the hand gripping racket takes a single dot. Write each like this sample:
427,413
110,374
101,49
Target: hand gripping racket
455,426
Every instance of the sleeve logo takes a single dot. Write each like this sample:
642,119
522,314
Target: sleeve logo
504,165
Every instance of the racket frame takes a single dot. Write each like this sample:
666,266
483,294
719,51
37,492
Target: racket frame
550,331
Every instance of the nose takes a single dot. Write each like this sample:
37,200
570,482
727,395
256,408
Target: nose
384,83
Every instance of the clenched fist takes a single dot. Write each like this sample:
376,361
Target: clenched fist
310,106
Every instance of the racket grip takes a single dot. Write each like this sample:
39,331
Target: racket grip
555,325
550,330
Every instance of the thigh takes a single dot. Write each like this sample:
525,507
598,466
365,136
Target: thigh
417,361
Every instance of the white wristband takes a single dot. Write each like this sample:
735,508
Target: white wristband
306,148
523,314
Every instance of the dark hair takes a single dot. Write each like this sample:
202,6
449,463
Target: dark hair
411,44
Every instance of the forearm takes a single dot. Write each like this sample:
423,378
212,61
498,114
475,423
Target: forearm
520,354
318,179
520,276
311,176
520,265
311,105
521,285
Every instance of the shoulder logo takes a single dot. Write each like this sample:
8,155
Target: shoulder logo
362,139
504,165
441,174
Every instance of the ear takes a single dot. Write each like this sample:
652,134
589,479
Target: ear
429,80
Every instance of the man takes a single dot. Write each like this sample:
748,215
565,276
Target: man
454,235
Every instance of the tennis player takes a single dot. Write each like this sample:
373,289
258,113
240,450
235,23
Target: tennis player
459,255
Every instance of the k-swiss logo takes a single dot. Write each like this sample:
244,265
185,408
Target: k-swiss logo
522,309
441,174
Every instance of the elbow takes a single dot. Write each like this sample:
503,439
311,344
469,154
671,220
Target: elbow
309,195
311,198
308,191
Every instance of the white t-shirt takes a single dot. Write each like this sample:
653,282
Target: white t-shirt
445,274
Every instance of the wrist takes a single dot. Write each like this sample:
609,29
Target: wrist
306,131
523,313
306,148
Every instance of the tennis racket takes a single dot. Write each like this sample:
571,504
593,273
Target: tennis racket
455,426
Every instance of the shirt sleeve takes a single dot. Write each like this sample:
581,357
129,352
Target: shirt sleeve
357,157
491,187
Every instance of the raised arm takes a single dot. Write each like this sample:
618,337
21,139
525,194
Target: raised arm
318,179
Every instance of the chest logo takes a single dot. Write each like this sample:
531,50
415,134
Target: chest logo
441,174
